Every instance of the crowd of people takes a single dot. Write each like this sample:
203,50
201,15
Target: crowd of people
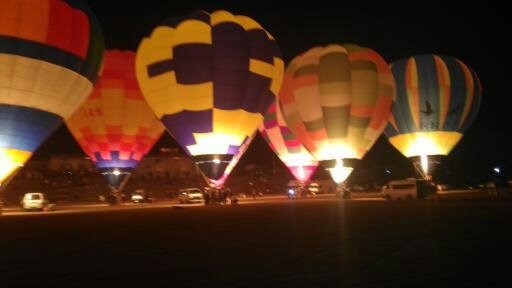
219,196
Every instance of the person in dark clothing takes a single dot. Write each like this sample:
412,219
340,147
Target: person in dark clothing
206,197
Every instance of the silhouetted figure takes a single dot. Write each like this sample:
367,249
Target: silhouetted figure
429,110
206,198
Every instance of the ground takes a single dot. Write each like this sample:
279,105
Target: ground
456,243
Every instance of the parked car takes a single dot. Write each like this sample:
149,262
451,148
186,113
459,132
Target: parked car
190,195
34,201
408,189
141,196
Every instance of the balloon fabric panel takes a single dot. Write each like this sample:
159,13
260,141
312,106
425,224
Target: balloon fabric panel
336,99
286,146
438,97
210,77
115,127
64,33
50,53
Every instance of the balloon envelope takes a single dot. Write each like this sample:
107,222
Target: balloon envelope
115,127
210,78
286,146
337,101
438,97
50,53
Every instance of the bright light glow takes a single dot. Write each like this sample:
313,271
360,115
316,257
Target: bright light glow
302,158
291,191
214,143
216,161
424,163
7,169
497,170
424,146
302,165
339,173
116,172
10,161
426,143
301,173
333,150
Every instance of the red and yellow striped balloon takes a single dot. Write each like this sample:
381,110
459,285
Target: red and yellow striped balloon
286,146
115,127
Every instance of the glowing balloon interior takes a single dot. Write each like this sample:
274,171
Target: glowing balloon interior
339,172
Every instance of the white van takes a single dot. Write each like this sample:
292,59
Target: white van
408,189
34,200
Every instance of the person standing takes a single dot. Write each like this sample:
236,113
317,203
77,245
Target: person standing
206,197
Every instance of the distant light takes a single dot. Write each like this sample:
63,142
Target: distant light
116,172
387,171
216,161
497,170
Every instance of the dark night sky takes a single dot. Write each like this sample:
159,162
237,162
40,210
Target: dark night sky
474,34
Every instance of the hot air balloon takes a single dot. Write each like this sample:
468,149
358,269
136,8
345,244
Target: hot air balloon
115,127
438,98
50,53
210,78
286,146
337,101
